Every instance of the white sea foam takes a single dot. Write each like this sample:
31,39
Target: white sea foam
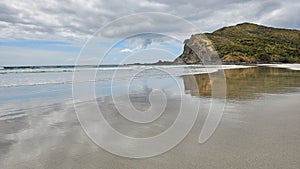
235,66
286,66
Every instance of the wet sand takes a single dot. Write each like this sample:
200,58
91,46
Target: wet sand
260,129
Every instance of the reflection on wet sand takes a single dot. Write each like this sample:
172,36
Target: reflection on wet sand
247,83
254,132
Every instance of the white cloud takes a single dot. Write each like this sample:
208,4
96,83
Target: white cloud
78,19
126,50
152,4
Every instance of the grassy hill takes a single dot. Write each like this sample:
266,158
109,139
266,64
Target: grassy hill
251,43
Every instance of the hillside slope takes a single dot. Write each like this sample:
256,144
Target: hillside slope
249,43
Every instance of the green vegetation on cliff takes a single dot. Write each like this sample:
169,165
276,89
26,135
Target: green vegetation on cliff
245,43
253,43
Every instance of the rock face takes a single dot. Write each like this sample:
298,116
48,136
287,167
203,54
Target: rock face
197,49
243,43
188,57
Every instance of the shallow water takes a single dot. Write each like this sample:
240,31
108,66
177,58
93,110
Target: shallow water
259,129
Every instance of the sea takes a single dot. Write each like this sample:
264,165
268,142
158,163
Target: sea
30,82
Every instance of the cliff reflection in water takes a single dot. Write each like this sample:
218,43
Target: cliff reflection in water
247,83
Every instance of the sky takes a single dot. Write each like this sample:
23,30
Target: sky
56,32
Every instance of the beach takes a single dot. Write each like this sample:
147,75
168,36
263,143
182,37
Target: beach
259,127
